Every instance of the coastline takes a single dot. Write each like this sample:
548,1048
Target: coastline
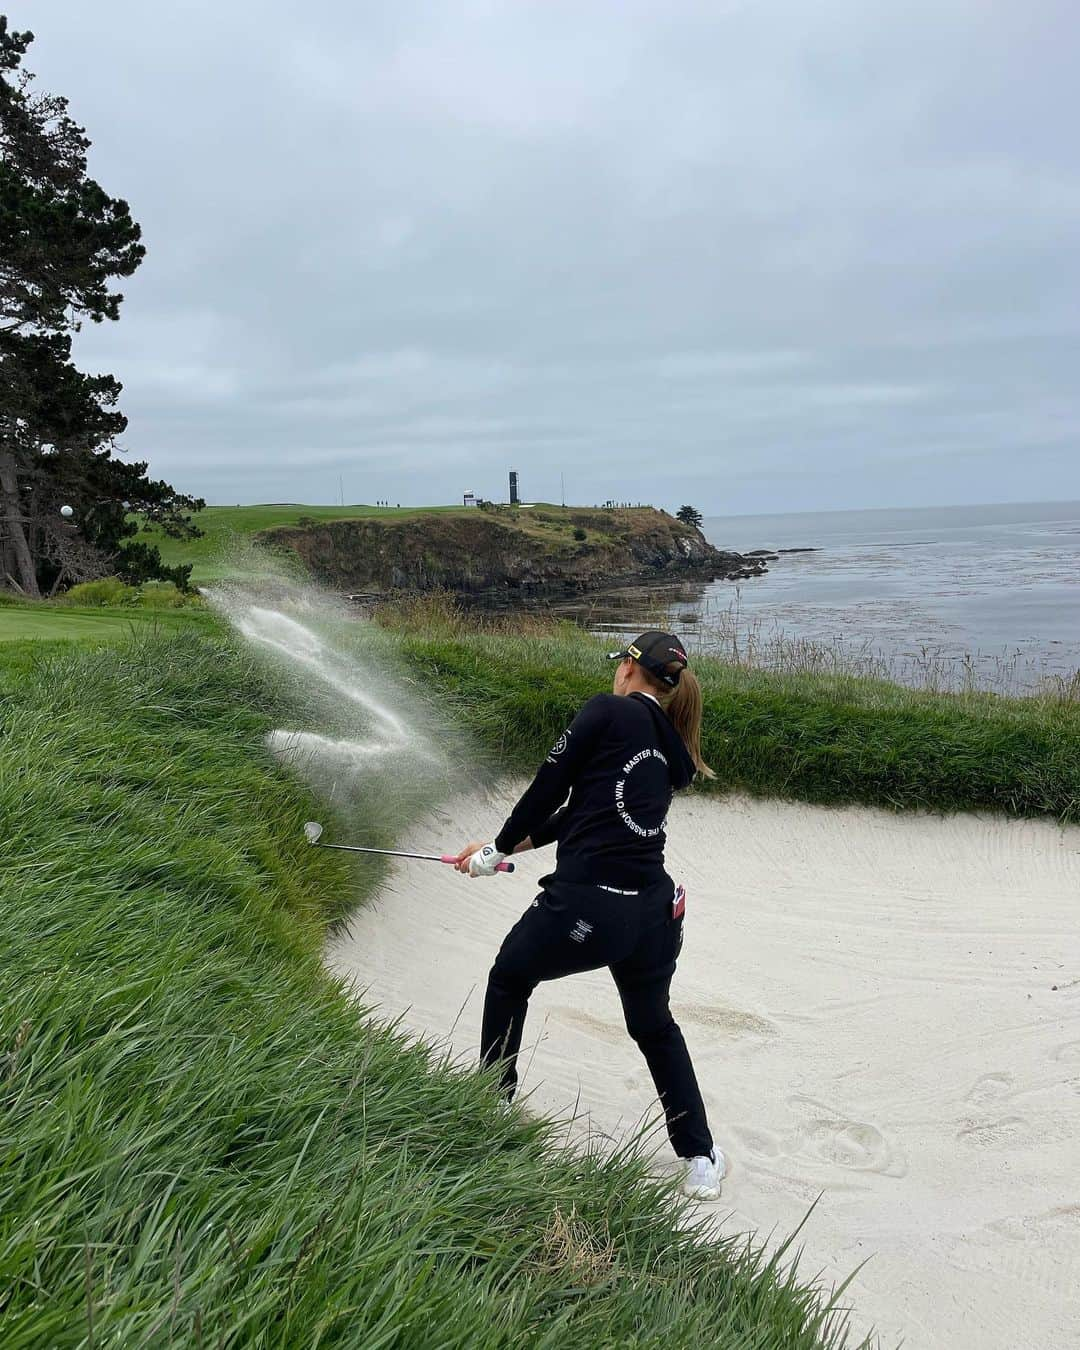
963,596
530,553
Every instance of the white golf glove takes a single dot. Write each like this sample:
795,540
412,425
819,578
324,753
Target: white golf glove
485,861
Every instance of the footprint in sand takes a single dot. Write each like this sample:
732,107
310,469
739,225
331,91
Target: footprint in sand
1063,1221
762,1142
990,1093
855,1145
1003,1133
989,1089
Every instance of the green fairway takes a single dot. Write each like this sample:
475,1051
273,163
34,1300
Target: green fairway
222,526
53,623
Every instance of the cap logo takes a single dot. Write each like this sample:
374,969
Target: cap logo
635,652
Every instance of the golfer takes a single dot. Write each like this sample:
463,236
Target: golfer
609,901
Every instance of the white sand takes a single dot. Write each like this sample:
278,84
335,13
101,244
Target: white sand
868,999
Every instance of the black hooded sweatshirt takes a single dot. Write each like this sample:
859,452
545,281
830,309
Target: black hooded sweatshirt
620,760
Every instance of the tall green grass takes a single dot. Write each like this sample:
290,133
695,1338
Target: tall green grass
204,1143
830,739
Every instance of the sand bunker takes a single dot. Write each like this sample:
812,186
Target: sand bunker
884,1010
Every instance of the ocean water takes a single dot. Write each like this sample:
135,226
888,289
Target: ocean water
990,593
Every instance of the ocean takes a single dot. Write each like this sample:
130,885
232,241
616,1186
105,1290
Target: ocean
987,595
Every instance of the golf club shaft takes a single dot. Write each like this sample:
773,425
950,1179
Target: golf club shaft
400,853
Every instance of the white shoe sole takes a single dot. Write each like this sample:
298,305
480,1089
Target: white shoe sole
702,1192
699,1192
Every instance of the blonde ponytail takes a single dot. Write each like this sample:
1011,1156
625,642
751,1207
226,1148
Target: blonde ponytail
684,706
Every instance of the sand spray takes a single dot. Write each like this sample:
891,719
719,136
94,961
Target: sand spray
298,643
365,740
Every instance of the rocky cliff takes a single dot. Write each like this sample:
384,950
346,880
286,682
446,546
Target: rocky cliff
506,549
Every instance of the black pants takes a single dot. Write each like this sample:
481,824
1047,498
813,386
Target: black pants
573,927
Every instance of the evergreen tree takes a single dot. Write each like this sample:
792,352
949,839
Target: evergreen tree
689,515
63,240
59,426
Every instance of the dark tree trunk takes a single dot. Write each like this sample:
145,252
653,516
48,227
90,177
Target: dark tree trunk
13,522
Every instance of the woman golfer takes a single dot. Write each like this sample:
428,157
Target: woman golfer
609,901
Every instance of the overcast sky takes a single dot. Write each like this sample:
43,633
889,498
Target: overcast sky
760,256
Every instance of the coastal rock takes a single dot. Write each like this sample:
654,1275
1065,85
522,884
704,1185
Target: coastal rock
481,551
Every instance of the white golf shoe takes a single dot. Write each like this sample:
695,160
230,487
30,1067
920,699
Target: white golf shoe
703,1176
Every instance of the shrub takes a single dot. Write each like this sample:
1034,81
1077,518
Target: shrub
166,595
580,535
103,591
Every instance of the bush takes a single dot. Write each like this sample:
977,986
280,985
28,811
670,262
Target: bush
103,591
580,535
166,595
112,592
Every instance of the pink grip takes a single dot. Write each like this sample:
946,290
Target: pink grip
502,867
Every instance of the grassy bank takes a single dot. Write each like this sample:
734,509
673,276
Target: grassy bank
830,739
223,526
202,1141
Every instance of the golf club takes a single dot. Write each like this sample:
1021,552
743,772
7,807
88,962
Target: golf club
313,832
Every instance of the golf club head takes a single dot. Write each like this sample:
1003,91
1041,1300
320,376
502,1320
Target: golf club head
313,831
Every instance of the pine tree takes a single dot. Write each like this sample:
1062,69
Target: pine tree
63,241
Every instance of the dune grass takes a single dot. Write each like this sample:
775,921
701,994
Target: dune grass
203,1142
831,739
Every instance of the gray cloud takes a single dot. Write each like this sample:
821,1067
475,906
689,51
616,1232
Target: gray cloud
760,256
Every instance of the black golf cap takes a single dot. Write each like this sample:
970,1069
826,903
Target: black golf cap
656,652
